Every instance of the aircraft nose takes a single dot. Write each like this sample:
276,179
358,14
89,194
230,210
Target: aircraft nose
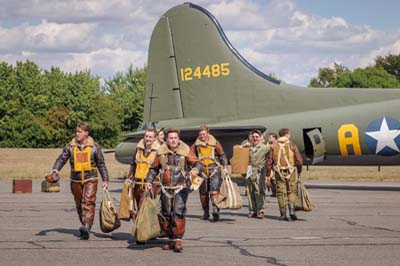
124,152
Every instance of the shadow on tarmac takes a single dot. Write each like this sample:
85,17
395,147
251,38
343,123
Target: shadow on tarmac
73,232
118,190
157,243
266,216
115,236
200,217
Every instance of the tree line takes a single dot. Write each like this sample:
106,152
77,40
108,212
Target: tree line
383,73
40,108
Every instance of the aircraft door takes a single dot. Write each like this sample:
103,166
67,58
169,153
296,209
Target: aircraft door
314,144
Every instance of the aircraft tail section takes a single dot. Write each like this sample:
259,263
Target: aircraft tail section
162,96
194,71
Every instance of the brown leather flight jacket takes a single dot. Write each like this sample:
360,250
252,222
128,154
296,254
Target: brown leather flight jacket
219,154
173,166
140,148
96,161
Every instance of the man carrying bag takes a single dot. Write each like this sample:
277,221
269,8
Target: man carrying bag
108,215
147,225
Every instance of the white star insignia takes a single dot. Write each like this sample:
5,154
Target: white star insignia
385,137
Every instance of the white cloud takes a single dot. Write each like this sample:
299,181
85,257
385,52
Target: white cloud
106,36
47,37
293,44
106,61
76,11
392,48
238,14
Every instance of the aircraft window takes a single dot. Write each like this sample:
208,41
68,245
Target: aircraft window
317,139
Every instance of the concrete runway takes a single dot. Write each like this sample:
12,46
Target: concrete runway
354,223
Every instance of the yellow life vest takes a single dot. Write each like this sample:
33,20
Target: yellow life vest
143,164
82,161
206,154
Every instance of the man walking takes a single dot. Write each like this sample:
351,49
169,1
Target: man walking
86,158
286,161
212,155
256,176
174,162
143,157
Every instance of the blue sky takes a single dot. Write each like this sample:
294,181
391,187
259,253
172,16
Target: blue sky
383,14
290,38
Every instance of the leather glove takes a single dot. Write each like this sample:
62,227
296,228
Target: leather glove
53,177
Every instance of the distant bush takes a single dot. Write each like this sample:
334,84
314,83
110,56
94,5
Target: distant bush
40,108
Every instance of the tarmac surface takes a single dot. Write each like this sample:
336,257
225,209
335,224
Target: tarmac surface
354,223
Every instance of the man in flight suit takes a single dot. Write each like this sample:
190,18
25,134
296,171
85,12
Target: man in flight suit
86,158
286,161
212,155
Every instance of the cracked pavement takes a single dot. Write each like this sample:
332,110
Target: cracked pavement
348,227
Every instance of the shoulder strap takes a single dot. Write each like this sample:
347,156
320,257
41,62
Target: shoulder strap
181,163
164,161
286,157
281,150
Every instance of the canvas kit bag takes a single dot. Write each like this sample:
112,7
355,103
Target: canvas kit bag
303,202
147,224
229,195
125,211
108,215
50,187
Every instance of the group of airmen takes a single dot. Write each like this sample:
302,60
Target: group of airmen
163,164
275,163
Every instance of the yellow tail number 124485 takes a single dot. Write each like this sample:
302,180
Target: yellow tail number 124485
207,71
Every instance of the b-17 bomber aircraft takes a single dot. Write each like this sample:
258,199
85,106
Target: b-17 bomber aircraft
195,77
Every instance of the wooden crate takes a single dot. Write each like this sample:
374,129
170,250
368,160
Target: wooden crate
22,186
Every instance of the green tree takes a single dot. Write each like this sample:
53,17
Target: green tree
23,103
331,77
373,77
341,77
41,108
126,90
391,63
105,125
273,75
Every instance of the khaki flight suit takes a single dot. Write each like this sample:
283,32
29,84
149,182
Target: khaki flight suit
255,179
287,167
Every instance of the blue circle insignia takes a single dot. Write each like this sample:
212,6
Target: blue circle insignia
382,136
